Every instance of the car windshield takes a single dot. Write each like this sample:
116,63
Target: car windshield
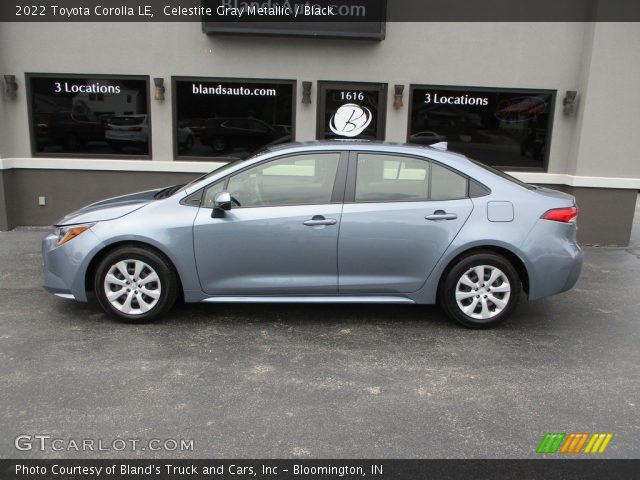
506,176
215,172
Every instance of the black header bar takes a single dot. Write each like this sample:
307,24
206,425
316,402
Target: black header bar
314,11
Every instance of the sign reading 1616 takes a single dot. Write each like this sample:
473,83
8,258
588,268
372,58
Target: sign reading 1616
351,96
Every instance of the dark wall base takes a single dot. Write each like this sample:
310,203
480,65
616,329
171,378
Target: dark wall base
4,224
606,214
68,190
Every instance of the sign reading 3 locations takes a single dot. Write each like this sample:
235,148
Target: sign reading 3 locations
349,110
501,127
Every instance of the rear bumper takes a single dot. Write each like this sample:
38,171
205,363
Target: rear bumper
555,259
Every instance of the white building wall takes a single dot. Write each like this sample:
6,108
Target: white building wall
510,55
609,121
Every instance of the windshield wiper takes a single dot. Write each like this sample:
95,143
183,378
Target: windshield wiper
167,192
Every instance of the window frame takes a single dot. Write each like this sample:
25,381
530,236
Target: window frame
552,107
324,85
352,172
337,192
235,80
119,156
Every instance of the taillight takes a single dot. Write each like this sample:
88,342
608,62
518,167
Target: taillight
564,215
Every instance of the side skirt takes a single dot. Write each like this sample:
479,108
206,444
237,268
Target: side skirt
309,299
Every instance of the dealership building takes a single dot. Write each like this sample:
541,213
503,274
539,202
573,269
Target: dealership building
90,110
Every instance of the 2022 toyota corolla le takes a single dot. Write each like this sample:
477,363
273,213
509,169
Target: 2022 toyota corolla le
350,222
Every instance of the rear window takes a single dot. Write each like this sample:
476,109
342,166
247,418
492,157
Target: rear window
506,176
126,121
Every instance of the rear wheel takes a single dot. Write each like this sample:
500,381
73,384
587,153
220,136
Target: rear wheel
135,284
480,290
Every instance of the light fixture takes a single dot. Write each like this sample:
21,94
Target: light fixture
397,97
159,83
569,102
306,92
11,86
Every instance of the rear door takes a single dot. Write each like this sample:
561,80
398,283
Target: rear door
400,215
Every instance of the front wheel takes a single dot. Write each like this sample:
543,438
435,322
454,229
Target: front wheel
135,285
480,290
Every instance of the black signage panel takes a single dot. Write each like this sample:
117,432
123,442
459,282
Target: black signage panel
93,115
508,128
351,110
231,118
358,19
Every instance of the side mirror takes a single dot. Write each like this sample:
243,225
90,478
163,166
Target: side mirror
221,203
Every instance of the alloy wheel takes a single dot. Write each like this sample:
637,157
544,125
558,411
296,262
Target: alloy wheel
132,287
482,292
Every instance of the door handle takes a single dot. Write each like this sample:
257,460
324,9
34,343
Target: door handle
319,220
441,215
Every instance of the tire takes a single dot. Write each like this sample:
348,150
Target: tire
474,303
144,301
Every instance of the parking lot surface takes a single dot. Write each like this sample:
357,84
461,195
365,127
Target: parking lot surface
320,381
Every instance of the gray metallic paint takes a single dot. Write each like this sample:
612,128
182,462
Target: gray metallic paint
239,257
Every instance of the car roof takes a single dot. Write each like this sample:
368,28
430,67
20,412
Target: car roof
371,145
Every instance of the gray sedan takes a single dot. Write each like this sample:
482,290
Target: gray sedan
344,222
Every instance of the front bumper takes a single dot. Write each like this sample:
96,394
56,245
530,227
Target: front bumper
65,266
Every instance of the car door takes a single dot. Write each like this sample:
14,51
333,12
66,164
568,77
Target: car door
400,215
281,235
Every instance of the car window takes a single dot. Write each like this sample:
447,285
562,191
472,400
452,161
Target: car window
296,180
506,176
388,178
447,184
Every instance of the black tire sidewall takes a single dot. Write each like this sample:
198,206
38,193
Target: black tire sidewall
448,291
162,267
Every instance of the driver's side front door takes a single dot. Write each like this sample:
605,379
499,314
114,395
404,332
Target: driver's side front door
281,235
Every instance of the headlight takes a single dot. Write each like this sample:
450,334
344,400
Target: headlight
70,232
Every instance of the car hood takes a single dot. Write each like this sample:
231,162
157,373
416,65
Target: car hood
110,209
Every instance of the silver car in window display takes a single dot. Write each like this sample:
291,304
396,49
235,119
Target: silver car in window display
343,222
